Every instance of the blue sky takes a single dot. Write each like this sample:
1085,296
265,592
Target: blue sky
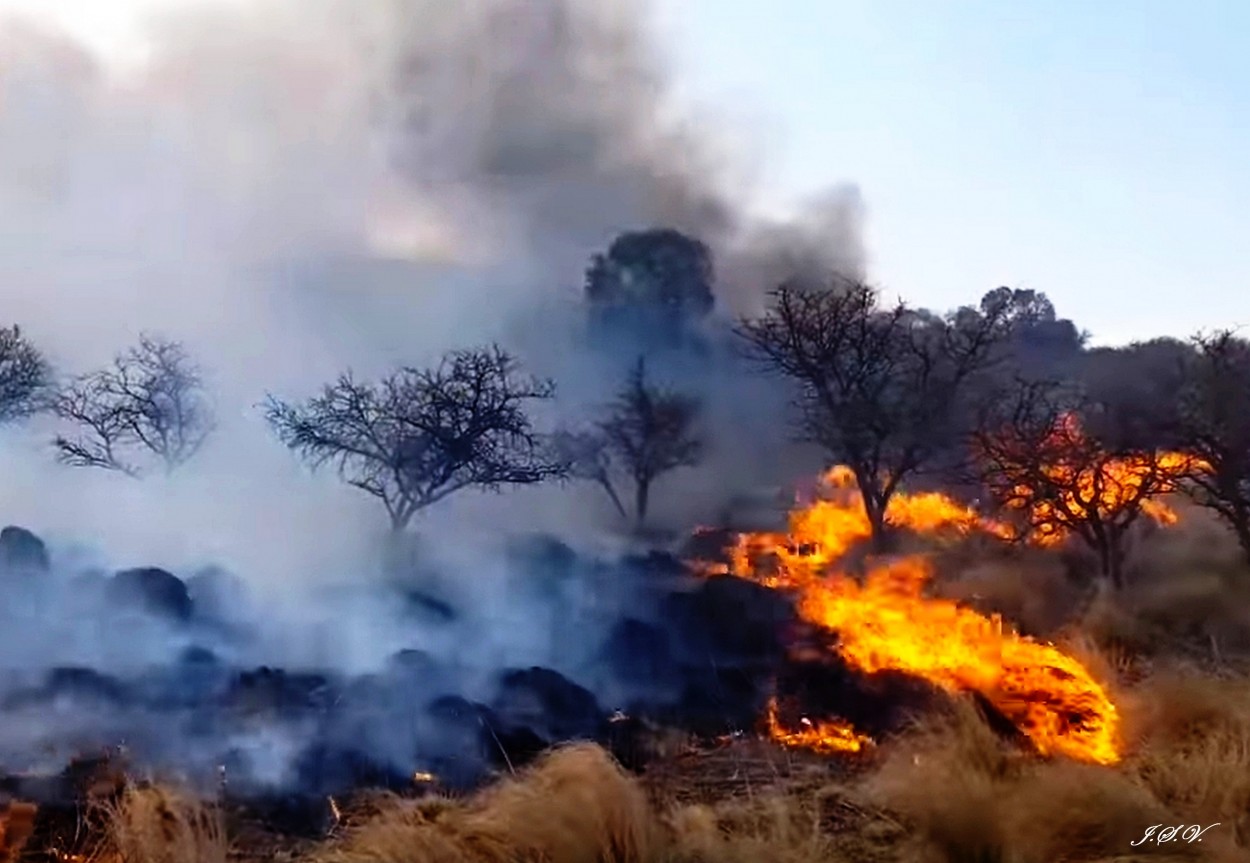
1097,151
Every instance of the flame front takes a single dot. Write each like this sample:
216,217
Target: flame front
886,622
824,530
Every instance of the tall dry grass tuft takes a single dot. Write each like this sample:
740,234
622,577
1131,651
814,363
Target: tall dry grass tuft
576,805
1192,748
800,823
969,797
1061,810
945,779
155,824
779,827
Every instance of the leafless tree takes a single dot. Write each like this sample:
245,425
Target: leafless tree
24,376
650,431
150,404
587,457
882,390
1214,420
1040,463
420,435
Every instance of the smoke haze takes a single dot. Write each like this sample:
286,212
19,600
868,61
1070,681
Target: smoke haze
293,188
297,187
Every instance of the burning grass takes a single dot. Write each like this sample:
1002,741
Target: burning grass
885,620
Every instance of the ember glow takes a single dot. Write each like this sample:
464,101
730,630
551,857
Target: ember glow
886,622
827,736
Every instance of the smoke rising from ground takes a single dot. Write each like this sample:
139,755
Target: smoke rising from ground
296,187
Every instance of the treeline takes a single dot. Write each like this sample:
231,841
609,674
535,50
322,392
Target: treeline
1003,399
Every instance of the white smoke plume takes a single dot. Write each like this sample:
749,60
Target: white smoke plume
297,187
293,187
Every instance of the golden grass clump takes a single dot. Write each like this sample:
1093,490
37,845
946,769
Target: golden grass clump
1192,747
780,827
575,805
156,824
969,797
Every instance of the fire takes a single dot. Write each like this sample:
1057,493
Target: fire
821,532
1081,479
886,622
829,737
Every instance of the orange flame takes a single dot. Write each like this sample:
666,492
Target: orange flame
828,737
887,623
1085,480
824,530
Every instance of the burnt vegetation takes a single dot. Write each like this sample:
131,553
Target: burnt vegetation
420,435
1041,460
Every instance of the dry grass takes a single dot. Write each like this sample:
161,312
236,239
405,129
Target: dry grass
970,798
948,791
782,826
575,806
1192,748
154,824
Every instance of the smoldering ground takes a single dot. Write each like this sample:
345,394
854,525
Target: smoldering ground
295,188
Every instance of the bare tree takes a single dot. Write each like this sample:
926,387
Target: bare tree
1214,424
587,457
149,404
420,435
883,391
650,431
24,376
1039,463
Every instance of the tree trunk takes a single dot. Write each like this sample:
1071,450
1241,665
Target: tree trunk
1111,559
875,510
641,495
616,498
400,521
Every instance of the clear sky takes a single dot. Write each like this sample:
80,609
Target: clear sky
1098,151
